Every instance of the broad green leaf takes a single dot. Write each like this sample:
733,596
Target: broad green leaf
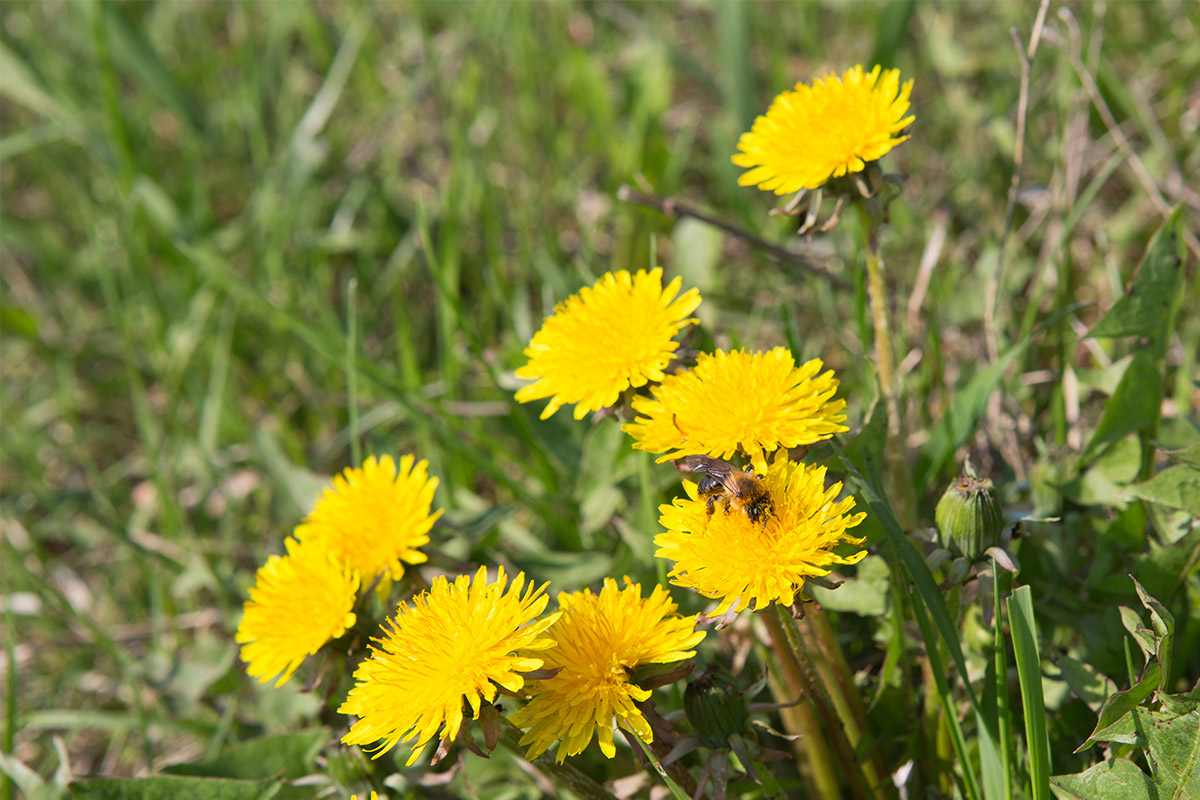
1188,455
1103,482
287,755
1177,487
1133,407
172,788
1148,306
865,594
1119,779
1086,682
16,321
1173,749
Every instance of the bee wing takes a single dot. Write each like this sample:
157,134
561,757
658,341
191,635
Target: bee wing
721,471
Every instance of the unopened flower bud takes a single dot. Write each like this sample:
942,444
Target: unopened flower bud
969,517
715,707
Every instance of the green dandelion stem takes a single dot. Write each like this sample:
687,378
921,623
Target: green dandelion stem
816,694
847,700
812,751
901,484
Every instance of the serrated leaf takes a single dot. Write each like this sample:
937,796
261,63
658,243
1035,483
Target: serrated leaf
1118,779
172,788
1133,407
1141,636
288,755
1146,307
1163,623
1110,720
1177,487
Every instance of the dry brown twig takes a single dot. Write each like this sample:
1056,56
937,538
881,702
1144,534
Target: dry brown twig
1110,122
673,208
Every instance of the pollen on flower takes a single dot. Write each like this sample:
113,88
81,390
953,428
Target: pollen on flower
615,335
600,639
458,641
374,518
834,127
299,602
739,562
752,402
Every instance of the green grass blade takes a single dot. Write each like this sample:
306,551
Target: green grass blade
1003,714
872,493
1025,647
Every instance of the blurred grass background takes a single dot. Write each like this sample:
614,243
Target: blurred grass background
201,199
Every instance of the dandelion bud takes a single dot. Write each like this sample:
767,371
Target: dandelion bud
715,707
969,517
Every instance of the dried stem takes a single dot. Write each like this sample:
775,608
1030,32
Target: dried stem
993,287
673,208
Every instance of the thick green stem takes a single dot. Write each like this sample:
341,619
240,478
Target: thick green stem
847,700
812,748
817,695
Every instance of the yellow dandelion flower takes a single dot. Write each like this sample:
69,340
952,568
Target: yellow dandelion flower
600,640
616,334
298,603
375,518
726,556
374,796
458,640
756,402
826,130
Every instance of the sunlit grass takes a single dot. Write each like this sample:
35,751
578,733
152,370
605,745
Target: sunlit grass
189,189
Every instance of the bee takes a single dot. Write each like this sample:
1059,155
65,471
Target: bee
722,483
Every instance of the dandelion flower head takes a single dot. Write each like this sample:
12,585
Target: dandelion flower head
598,343
600,639
299,602
814,133
726,556
755,402
458,640
375,518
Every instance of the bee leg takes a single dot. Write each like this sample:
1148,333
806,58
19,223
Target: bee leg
712,499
